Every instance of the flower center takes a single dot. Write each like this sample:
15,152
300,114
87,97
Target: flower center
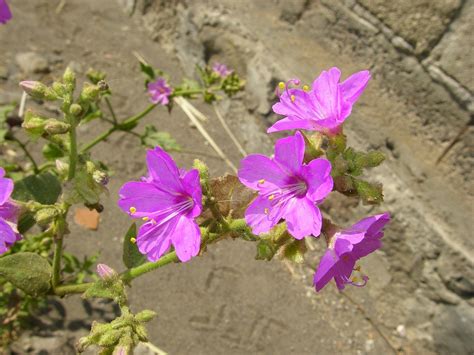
286,192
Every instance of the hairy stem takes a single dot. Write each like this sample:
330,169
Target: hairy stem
72,152
27,153
58,251
112,112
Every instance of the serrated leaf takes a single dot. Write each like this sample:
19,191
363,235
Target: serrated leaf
295,250
152,138
52,151
131,255
28,271
44,188
231,195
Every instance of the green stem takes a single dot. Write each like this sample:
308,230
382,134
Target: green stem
27,154
72,152
149,266
112,112
58,250
118,127
68,289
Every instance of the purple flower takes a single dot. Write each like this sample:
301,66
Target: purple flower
324,107
5,13
168,200
8,214
159,91
221,70
345,248
287,188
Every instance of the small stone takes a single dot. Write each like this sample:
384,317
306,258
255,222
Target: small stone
369,345
4,73
401,331
31,62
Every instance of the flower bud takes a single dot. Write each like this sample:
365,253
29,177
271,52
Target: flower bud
121,350
69,78
46,215
145,316
33,123
105,272
75,110
62,167
95,75
141,332
100,177
203,171
38,90
90,92
54,126
60,89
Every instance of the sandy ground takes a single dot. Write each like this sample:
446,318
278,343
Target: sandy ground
419,296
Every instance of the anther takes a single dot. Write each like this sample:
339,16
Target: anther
261,181
133,240
305,88
271,197
293,98
145,218
281,85
266,210
133,210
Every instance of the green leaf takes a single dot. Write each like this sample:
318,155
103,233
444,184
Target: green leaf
265,250
52,151
26,222
370,193
152,138
44,188
147,70
295,250
131,255
28,271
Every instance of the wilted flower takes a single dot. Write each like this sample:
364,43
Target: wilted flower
8,214
287,188
324,107
105,272
5,13
221,70
159,91
345,248
168,200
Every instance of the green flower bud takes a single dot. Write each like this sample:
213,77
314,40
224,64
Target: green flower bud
141,332
109,338
75,110
69,79
145,316
90,92
95,75
33,123
46,215
54,126
60,89
203,171
38,90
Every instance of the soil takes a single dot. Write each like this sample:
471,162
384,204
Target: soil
419,298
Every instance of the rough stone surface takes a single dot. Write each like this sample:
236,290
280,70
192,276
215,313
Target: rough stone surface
31,63
420,22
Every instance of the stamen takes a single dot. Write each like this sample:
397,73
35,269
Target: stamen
266,210
145,219
281,85
133,240
261,181
293,98
133,210
305,88
271,197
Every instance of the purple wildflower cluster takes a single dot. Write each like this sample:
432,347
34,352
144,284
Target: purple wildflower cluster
169,199
159,91
8,214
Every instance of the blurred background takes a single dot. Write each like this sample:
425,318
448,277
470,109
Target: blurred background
417,109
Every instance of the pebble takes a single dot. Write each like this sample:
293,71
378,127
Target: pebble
31,62
401,331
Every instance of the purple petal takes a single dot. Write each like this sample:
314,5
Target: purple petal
163,170
146,198
6,187
291,123
354,86
289,152
186,238
342,246
294,103
317,175
255,168
326,95
257,216
9,211
342,271
5,13
154,240
192,187
325,271
8,235
372,225
303,218
366,247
